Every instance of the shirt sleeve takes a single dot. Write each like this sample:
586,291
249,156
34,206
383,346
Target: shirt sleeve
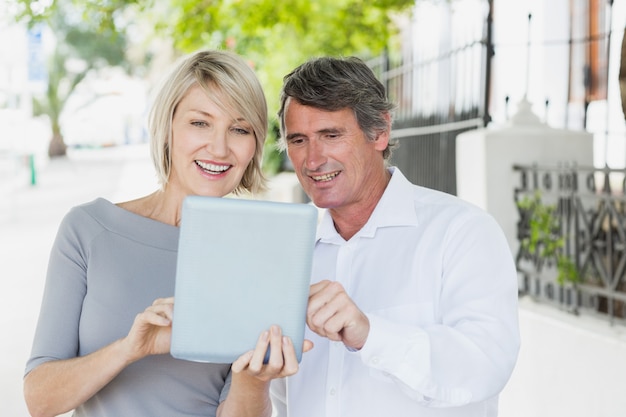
469,353
56,335
226,387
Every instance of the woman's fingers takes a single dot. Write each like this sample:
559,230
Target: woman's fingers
274,356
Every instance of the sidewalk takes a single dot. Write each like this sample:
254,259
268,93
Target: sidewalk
29,217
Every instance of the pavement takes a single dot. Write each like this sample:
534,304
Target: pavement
29,218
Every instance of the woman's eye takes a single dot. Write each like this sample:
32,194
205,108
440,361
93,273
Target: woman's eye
199,123
241,131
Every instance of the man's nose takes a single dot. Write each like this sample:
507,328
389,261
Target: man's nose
315,156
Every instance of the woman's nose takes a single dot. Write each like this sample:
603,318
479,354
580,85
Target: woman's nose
218,144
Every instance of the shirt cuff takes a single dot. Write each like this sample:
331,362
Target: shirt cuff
400,351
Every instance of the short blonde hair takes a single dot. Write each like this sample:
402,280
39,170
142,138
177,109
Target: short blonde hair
230,83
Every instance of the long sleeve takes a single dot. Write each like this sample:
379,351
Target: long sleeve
106,266
436,278
469,352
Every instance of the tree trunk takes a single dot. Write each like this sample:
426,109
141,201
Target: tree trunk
57,146
622,74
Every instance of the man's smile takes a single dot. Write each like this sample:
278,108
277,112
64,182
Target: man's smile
324,177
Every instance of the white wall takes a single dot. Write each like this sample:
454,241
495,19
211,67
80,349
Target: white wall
572,366
485,160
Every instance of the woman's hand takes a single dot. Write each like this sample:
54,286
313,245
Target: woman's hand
151,331
282,358
249,391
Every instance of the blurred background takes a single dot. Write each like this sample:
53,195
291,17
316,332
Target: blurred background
514,106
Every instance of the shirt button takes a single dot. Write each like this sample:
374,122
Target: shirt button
332,391
375,361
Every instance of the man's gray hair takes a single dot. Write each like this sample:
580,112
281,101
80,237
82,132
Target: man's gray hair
333,84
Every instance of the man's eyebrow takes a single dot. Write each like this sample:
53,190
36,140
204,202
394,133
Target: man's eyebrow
325,131
293,135
331,130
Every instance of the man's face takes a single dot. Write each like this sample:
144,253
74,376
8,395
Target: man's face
335,163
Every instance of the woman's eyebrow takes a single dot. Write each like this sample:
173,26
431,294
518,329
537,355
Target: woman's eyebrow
202,112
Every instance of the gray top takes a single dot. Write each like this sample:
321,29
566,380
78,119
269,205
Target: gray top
106,266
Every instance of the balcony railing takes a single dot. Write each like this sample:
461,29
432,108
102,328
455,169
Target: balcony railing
590,212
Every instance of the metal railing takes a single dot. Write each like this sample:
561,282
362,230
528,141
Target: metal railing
440,84
590,212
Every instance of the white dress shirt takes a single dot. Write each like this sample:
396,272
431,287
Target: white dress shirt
436,278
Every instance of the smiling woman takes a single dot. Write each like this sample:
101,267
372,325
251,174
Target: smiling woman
209,141
105,321
235,93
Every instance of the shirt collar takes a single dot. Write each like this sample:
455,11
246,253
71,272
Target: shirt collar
395,208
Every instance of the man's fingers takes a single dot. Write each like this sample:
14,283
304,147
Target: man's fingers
325,314
317,287
307,345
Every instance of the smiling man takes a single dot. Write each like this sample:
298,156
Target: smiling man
413,302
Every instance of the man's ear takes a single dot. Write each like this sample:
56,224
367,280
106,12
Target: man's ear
382,140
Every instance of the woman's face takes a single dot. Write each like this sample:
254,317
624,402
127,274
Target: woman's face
211,149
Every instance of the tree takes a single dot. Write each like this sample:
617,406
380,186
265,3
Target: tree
278,35
76,42
274,35
622,74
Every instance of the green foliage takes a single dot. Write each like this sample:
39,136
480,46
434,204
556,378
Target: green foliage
272,157
102,16
545,240
275,36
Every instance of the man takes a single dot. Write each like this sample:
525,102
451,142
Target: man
413,303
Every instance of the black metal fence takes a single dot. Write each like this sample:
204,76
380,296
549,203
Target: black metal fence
441,80
589,210
440,90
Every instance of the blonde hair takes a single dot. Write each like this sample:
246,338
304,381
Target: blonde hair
230,83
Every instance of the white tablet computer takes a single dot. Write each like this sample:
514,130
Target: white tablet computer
243,265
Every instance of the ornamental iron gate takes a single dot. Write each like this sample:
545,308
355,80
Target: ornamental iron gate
590,223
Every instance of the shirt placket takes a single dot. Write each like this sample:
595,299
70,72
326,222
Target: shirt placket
337,351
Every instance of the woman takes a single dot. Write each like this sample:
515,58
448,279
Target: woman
110,262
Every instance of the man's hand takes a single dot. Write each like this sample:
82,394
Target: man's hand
331,313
